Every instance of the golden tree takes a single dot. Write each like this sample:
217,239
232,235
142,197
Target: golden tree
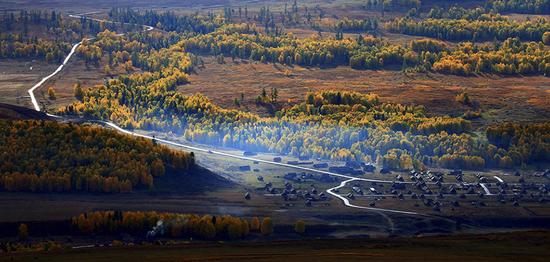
51,93
267,226
23,232
300,227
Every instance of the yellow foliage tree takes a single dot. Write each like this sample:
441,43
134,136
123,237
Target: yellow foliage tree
23,232
267,226
300,227
255,224
51,93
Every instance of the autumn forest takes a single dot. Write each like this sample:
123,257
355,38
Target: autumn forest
205,130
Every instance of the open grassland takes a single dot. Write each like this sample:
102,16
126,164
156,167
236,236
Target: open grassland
63,83
335,219
518,99
16,77
524,246
526,17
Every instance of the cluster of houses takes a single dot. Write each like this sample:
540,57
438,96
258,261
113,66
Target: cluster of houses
429,187
522,191
291,193
304,177
545,174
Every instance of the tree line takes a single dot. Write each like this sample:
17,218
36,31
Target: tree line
459,12
487,29
169,21
12,46
174,225
44,156
512,57
390,5
520,6
364,52
20,35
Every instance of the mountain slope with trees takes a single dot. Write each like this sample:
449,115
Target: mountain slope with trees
46,156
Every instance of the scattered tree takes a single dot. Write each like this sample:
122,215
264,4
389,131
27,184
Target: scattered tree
78,92
23,232
51,93
255,224
546,38
267,226
300,227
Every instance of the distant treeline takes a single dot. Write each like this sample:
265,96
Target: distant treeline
392,5
169,21
157,224
488,29
346,25
521,6
44,35
12,46
212,35
511,57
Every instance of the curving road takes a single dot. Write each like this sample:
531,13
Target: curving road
83,15
71,53
347,203
330,191
486,189
37,85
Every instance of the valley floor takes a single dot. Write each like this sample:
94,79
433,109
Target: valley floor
518,246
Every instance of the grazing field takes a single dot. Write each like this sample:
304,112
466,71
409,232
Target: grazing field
335,221
525,246
16,77
518,99
525,17
76,72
